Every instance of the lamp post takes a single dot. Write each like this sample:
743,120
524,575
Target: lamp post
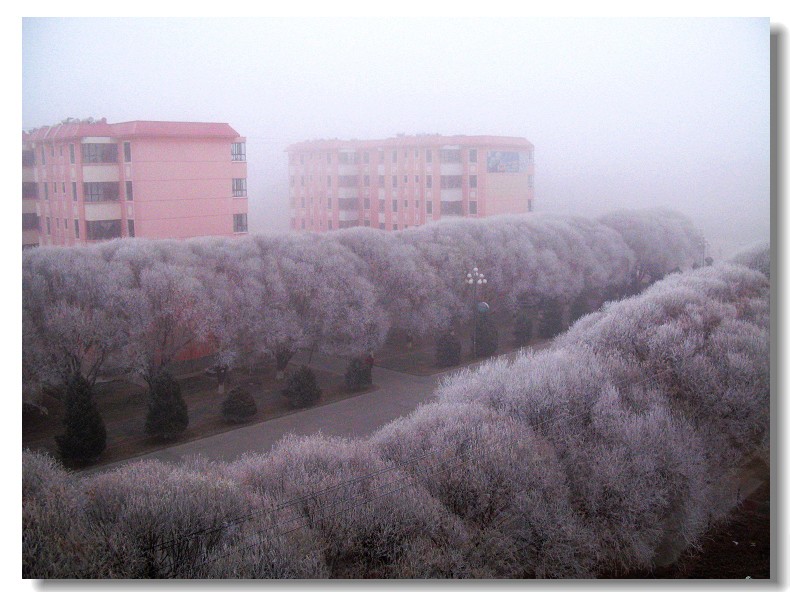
475,279
703,244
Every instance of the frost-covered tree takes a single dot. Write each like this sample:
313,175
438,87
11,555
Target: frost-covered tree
73,307
661,240
404,284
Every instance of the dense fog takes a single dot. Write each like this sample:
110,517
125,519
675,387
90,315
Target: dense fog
623,113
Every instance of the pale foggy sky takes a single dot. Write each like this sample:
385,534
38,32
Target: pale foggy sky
622,112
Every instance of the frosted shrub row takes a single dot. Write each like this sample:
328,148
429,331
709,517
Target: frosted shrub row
135,305
604,455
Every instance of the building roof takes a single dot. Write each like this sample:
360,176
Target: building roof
130,129
432,140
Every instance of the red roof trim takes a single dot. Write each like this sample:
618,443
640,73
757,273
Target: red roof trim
131,129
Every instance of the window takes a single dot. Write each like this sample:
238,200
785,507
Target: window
367,180
347,181
450,181
302,180
416,153
100,192
302,224
417,204
129,192
99,153
28,158
366,157
29,222
381,205
54,188
302,199
74,190
66,223
102,229
428,155
71,153
43,156
531,181
329,202
381,180
529,205
416,179
238,151
381,225
49,226
428,181
329,181
127,152
394,156
29,190
394,205
367,222
63,188
449,155
473,181
239,222
473,155
429,207
130,226
60,150
301,161
57,223
473,208
366,203
394,181
52,151
76,228
381,156
394,227
405,203
405,179
452,208
239,187
347,158
46,191
329,224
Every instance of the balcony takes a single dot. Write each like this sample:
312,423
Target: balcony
103,229
99,153
452,208
453,195
348,203
98,211
348,193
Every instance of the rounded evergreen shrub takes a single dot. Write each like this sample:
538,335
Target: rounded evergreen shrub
358,374
239,405
86,436
167,412
301,388
448,350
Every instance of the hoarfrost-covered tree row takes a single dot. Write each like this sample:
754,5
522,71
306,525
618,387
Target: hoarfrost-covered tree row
136,304
607,454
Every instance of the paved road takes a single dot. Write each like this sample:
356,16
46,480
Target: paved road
397,394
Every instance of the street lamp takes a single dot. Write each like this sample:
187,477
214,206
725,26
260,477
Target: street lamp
475,279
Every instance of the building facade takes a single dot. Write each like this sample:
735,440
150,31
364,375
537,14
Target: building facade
407,181
85,182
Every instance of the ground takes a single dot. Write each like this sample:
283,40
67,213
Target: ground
123,404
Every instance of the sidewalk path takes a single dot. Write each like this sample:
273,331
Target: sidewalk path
397,394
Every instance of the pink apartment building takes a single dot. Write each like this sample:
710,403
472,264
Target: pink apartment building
408,180
84,182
